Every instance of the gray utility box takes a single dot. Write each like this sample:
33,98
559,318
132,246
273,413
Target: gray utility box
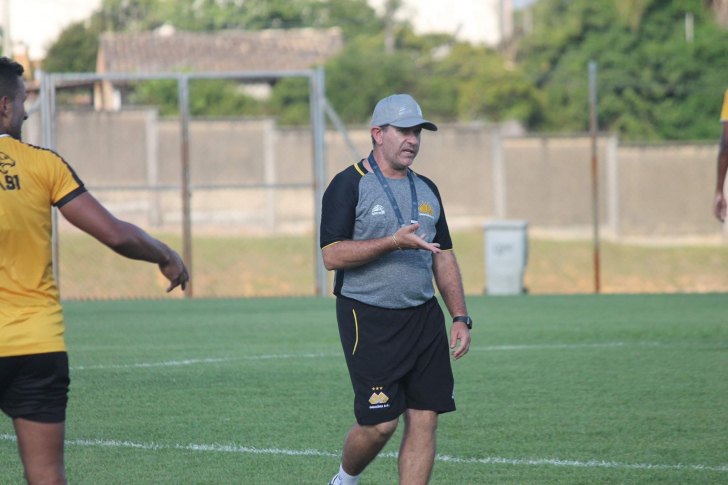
506,254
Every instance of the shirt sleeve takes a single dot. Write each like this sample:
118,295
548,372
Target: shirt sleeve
724,111
338,208
442,232
65,185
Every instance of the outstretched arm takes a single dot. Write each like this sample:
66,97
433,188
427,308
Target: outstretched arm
719,202
86,213
350,254
450,283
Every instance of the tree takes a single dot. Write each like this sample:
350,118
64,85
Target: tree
74,51
653,84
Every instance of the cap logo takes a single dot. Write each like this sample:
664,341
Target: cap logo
403,110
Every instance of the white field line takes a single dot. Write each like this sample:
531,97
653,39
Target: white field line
566,346
233,448
175,363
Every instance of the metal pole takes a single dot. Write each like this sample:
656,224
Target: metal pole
500,187
689,27
184,118
318,125
342,129
594,168
7,41
47,141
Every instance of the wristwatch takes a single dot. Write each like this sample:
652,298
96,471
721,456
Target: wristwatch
467,320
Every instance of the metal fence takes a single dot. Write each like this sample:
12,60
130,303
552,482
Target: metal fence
154,194
253,192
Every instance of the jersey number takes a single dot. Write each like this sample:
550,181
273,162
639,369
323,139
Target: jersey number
12,182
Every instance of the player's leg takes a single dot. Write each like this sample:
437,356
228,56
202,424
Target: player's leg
363,444
417,451
377,356
429,390
41,451
35,397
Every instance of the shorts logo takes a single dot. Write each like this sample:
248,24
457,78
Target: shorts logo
378,400
426,210
378,210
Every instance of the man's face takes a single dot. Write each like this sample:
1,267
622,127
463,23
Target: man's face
400,145
14,113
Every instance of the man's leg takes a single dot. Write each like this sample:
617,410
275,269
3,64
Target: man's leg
41,451
363,444
417,451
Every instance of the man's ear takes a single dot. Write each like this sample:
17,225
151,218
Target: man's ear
377,134
5,103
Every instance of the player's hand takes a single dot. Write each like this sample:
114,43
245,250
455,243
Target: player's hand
175,271
407,239
459,331
719,207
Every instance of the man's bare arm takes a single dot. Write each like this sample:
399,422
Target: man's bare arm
450,284
86,213
350,254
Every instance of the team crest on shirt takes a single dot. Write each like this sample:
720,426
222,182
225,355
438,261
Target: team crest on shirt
378,210
5,163
426,210
378,400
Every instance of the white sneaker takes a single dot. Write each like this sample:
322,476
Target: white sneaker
336,480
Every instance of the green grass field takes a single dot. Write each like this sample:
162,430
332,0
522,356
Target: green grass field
556,389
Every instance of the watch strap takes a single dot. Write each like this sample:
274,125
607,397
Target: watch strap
466,320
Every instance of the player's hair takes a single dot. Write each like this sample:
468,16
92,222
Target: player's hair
384,128
9,72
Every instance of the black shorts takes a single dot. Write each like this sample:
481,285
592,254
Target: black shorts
397,358
35,387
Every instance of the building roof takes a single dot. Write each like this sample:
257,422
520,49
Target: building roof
167,50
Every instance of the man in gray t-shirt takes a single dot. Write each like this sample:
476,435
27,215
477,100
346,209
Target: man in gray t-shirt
384,231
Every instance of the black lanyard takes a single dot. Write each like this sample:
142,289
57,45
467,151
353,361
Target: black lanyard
388,190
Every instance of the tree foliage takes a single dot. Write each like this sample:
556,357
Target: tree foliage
653,83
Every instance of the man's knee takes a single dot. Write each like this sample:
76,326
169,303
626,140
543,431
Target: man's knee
385,430
420,419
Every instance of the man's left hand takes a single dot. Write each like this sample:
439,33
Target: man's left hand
459,331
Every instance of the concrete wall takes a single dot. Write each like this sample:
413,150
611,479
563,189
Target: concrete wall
644,190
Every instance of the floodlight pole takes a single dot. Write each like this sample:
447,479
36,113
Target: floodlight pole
594,169
183,84
318,126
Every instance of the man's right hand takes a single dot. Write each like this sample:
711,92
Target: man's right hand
719,207
407,239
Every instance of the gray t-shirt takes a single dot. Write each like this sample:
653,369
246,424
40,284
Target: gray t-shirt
355,207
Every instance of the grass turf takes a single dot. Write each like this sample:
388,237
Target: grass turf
609,382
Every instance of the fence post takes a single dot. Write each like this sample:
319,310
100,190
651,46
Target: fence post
318,124
594,169
269,172
152,152
611,164
183,86
499,175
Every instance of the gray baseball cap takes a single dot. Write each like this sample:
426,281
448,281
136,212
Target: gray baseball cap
402,111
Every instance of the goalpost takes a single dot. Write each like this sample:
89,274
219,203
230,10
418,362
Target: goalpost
319,107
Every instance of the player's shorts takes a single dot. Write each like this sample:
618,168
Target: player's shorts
397,358
35,387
